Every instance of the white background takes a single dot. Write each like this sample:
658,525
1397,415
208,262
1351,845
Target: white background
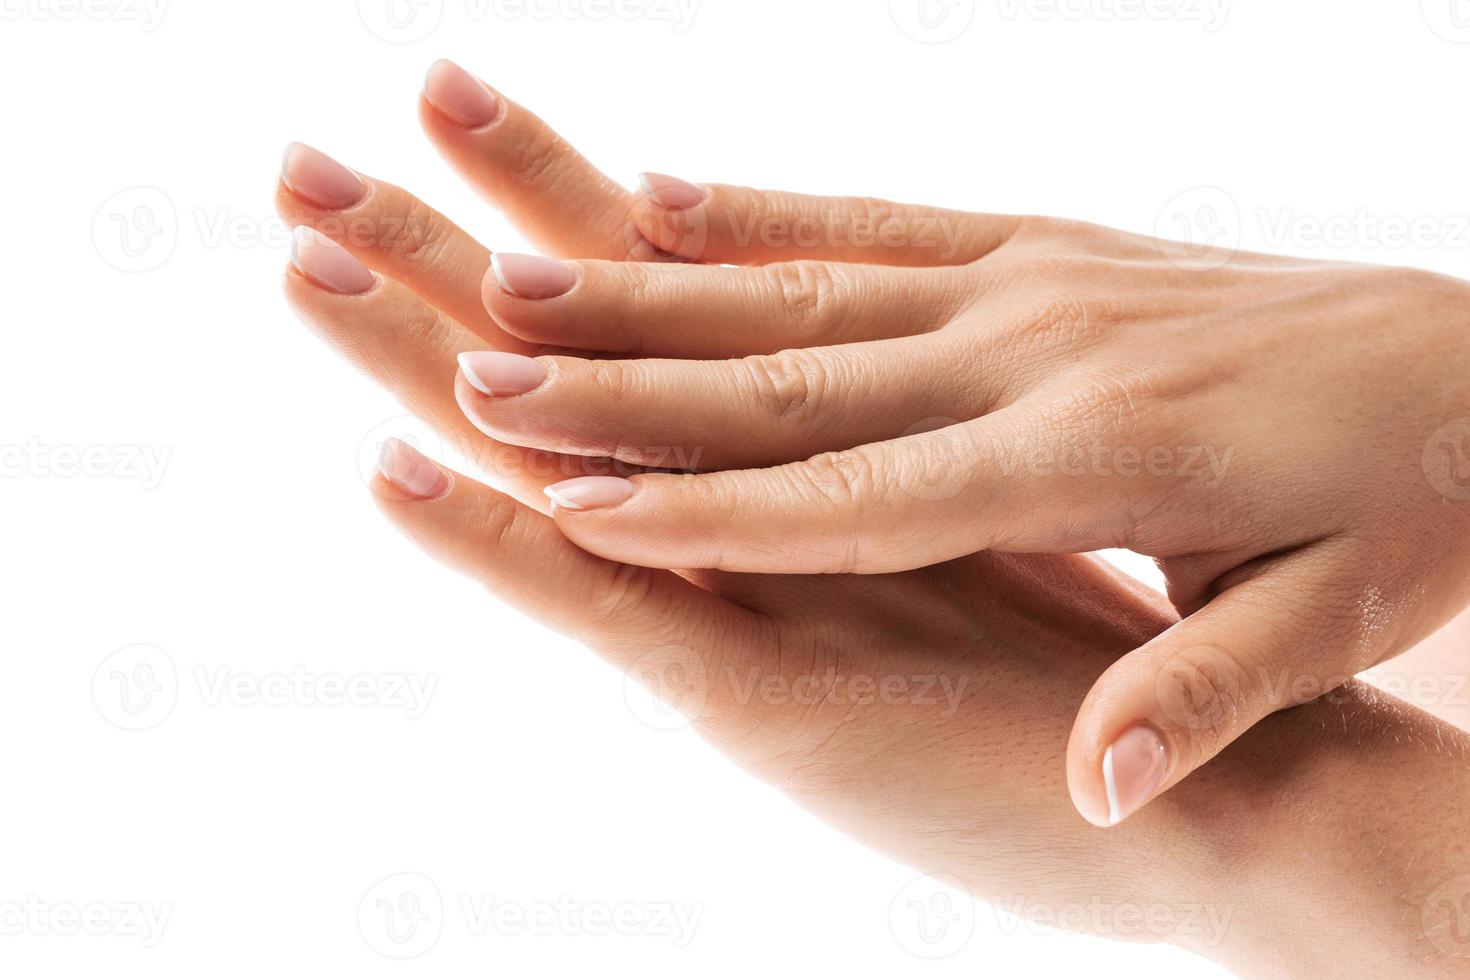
248,547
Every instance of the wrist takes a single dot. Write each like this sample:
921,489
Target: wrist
1336,842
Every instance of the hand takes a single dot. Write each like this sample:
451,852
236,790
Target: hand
1287,438
1017,638
1289,593
923,713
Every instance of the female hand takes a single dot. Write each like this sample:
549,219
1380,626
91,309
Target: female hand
960,680
923,713
1055,344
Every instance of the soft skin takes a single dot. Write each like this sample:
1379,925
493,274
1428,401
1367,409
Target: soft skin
1287,438
1033,633
926,713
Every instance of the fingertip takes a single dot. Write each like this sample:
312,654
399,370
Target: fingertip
405,474
459,97
327,265
671,192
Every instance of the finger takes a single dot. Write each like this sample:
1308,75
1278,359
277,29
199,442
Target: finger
753,411
880,507
410,348
1171,705
393,233
554,195
721,223
633,615
676,310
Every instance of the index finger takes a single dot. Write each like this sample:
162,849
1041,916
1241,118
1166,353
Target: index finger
560,201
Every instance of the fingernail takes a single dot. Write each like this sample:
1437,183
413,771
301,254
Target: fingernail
459,95
671,192
590,492
323,181
494,372
531,276
1133,767
411,471
328,264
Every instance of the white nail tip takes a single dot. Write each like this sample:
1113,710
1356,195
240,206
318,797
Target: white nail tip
1111,786
467,369
303,236
499,275
559,500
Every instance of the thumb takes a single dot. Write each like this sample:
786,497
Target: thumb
1171,705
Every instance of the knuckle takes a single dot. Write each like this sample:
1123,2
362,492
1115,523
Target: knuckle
535,160
804,293
1108,405
616,600
424,328
502,524
840,478
788,385
612,381
426,240
629,283
411,230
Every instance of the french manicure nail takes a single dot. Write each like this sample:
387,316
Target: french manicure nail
531,276
312,174
590,492
1133,767
411,471
459,95
494,372
671,192
328,264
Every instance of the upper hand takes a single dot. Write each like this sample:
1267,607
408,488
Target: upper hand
1259,425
